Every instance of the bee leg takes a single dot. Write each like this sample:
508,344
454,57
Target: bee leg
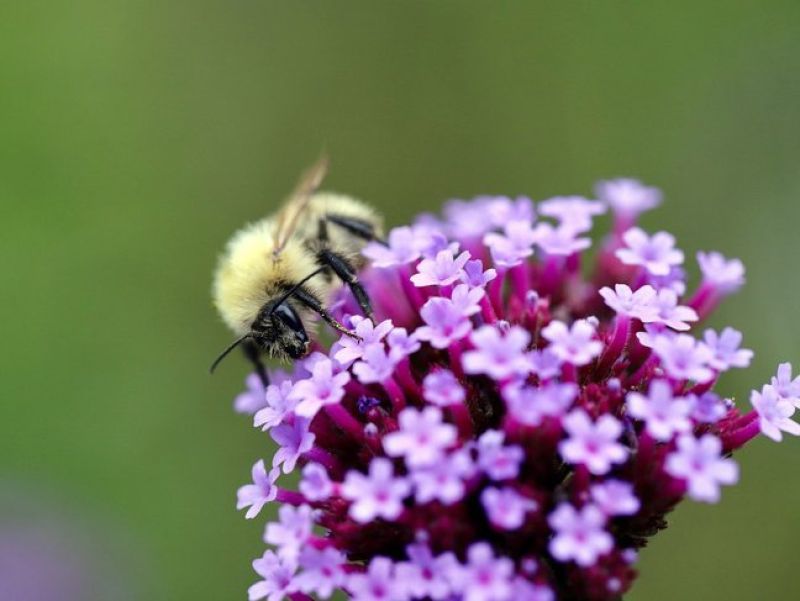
347,274
253,354
312,303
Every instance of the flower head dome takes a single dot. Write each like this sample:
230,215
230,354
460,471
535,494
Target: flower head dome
514,424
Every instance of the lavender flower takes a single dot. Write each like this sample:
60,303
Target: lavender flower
261,492
657,254
498,355
324,387
774,413
442,388
574,344
444,321
615,497
441,271
580,534
485,577
786,387
379,494
628,197
505,507
573,212
514,424
663,414
639,305
278,577
700,463
422,437
725,347
594,445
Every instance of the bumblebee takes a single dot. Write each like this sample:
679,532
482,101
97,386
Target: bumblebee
276,276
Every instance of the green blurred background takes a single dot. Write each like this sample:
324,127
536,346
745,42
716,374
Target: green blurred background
136,136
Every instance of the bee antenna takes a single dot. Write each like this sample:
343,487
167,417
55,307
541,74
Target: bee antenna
227,351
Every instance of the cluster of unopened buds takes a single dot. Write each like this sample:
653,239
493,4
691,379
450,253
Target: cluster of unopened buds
514,425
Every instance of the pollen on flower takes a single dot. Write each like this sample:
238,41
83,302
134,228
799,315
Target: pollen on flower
513,423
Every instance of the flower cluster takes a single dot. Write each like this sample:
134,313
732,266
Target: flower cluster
513,424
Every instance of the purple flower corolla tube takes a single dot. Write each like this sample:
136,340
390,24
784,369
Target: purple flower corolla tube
515,423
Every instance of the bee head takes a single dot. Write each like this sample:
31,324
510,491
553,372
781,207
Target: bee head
280,330
277,330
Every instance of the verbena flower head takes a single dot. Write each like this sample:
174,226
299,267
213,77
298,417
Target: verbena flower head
513,424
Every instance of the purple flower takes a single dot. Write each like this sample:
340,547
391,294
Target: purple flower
474,275
725,347
432,241
683,358
315,484
675,280
529,405
484,577
377,494
670,313
725,276
279,405
425,576
444,323
700,463
786,387
560,241
278,577
441,388
322,388
513,246
544,363
294,439
575,344
524,589
322,570
253,398
774,413
351,349
444,480
498,461
502,210
468,220
499,356
657,254
580,534
663,414
376,584
401,248
467,300
639,305
615,497
422,437
291,531
505,507
573,212
593,444
441,271
707,408
261,492
402,344
628,198
377,365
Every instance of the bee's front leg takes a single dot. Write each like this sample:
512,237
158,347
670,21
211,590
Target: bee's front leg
253,354
342,268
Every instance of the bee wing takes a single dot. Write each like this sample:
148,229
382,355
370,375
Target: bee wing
298,202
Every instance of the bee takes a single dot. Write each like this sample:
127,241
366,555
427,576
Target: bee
276,275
